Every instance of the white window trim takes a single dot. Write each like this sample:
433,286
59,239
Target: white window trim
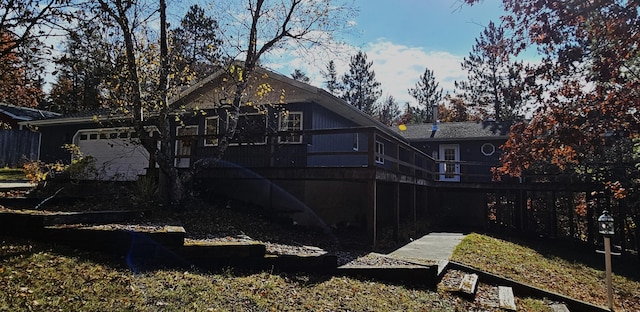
286,128
206,123
356,141
493,149
244,143
178,158
379,152
108,132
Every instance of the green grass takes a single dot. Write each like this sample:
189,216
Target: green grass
35,277
554,267
11,174
41,277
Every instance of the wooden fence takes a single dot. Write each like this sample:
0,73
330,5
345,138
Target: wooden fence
17,146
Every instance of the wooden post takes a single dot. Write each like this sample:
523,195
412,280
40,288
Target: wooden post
396,212
414,200
372,211
607,265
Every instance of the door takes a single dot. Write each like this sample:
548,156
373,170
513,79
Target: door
186,135
450,162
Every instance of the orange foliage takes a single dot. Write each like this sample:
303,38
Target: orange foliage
15,88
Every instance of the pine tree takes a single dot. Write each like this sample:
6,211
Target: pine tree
492,77
299,75
389,111
360,86
427,94
84,71
331,78
196,43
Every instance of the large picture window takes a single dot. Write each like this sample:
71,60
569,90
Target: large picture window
211,131
251,129
291,122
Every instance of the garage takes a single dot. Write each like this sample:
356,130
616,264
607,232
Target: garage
118,153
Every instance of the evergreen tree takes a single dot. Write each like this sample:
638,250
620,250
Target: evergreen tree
83,71
360,86
427,94
196,44
493,80
299,75
331,78
389,111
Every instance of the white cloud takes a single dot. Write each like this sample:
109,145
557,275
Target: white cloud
397,67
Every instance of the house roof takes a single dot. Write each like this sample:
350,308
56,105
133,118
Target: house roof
452,131
296,92
19,113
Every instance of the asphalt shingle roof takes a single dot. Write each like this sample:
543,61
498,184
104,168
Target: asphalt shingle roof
26,113
456,130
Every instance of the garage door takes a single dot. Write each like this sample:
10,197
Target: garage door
117,151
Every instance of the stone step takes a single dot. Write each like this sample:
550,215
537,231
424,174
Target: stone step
559,307
506,298
469,285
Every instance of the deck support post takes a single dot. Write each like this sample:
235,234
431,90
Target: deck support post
396,212
372,211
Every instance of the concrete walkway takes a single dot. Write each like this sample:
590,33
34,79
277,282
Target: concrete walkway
436,247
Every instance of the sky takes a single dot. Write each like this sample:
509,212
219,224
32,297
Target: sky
402,38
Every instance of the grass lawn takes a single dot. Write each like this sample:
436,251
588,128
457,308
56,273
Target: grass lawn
41,277
11,174
35,277
564,269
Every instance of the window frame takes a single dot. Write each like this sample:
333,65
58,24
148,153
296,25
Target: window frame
379,151
211,141
356,142
233,141
493,149
286,127
178,158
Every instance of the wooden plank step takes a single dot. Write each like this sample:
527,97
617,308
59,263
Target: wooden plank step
469,284
506,298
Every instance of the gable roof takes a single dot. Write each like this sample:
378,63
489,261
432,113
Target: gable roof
456,131
296,92
19,113
202,95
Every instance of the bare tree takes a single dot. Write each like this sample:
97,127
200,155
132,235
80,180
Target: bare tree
262,26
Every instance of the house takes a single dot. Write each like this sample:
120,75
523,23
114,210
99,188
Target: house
465,151
17,143
299,151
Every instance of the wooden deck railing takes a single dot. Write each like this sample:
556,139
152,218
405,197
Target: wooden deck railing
357,147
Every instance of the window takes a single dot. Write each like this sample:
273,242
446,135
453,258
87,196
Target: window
488,149
379,152
251,129
356,142
211,131
292,122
